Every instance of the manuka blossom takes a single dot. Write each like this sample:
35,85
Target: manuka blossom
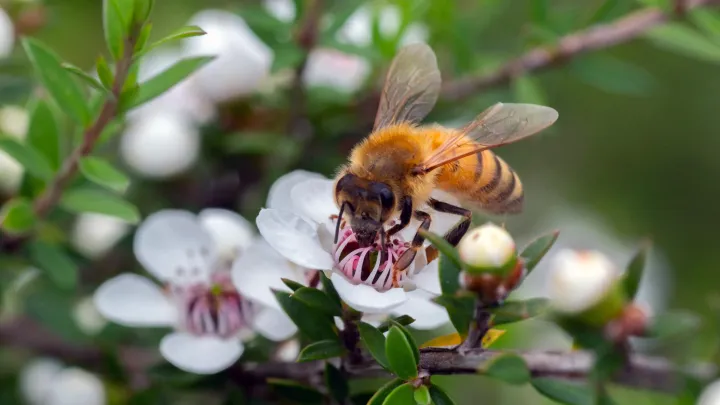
46,381
201,300
300,223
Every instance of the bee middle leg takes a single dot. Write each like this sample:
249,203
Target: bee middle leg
407,257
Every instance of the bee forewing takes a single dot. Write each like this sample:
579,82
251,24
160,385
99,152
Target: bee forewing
411,88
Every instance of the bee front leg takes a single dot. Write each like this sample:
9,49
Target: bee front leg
406,209
408,256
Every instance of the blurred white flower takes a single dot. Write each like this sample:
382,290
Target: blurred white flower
211,315
711,394
331,68
160,145
358,28
288,351
87,317
283,10
49,382
487,246
243,60
7,34
14,123
95,234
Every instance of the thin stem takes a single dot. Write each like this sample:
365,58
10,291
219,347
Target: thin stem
350,335
478,328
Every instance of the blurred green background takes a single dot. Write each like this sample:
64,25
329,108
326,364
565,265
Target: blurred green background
634,149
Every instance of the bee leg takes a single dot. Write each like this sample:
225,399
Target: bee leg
408,256
405,216
456,233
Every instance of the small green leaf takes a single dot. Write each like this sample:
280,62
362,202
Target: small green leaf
410,339
329,288
79,73
17,216
143,38
563,391
295,391
612,75
317,299
379,397
312,323
673,325
374,341
449,273
43,132
460,309
321,350
114,27
439,396
536,250
337,383
184,32
633,274
103,173
403,320
293,285
165,80
707,20
89,200
58,82
516,311
422,395
527,90
683,40
402,395
443,246
507,367
400,354
143,8
27,157
104,73
55,263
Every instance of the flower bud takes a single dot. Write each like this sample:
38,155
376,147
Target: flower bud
487,249
710,395
586,284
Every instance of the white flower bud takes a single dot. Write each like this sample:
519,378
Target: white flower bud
283,10
87,317
331,68
7,34
13,122
711,394
487,247
75,386
358,28
580,280
95,234
36,377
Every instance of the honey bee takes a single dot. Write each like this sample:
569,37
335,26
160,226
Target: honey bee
393,171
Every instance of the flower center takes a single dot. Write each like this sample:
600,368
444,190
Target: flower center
372,265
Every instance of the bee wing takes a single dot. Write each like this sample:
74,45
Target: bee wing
499,125
411,88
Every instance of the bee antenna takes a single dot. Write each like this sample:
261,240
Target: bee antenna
339,219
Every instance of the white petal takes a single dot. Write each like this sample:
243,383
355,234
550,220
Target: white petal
231,232
314,199
427,314
7,34
133,300
200,355
274,324
294,238
75,386
279,194
365,298
428,278
260,269
35,379
172,242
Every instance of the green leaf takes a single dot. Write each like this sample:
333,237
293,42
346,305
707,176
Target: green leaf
43,133
403,320
114,27
536,250
422,395
293,285
379,397
707,20
411,340
27,157
460,309
563,391
402,395
53,308
449,273
400,355
55,263
439,396
313,324
79,73
374,341
686,41
289,56
143,8
295,392
184,32
89,200
634,272
337,383
329,288
443,246
507,367
143,38
673,325
539,11
17,216
104,73
527,90
603,12
58,82
516,311
612,75
103,173
318,299
165,80
321,350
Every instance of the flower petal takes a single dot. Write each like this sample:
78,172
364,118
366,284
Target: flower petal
365,298
260,269
294,238
314,199
170,243
200,354
428,278
231,232
135,301
428,315
279,194
76,386
274,324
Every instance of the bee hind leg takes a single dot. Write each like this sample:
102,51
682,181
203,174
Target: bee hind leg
456,233
408,256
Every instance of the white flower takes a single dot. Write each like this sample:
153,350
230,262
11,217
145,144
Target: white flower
243,60
160,145
487,246
13,122
580,279
300,223
48,382
331,68
95,234
710,395
210,314
358,28
283,10
7,34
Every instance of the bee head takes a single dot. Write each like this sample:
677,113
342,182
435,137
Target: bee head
369,205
